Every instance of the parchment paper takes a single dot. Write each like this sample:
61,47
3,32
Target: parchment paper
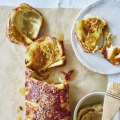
12,67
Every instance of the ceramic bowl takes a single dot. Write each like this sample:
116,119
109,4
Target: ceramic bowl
90,99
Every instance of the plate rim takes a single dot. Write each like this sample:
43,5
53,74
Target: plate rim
73,38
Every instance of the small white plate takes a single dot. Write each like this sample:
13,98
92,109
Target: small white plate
110,11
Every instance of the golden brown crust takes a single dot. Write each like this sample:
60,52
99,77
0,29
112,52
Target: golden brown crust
46,101
24,4
41,56
85,48
59,41
16,32
112,54
13,33
89,31
44,75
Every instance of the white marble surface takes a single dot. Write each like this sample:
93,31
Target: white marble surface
114,78
49,3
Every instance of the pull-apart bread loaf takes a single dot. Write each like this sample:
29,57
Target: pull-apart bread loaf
112,54
24,24
46,101
88,32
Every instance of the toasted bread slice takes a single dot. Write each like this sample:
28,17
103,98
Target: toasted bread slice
43,75
24,24
89,31
112,54
45,53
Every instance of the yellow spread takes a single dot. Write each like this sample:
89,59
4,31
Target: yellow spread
92,112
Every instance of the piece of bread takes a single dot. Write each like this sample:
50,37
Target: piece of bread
24,24
112,54
88,32
91,112
46,101
45,53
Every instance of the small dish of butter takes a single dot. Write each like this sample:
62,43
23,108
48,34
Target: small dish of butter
90,107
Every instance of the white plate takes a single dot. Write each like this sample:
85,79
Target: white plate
110,11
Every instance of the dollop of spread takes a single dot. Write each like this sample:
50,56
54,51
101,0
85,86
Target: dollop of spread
91,112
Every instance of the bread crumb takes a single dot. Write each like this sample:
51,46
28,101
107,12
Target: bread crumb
21,91
20,107
60,36
18,110
19,118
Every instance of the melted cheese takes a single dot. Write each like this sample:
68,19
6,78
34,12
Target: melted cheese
113,54
44,53
28,22
18,110
24,24
19,118
89,31
60,36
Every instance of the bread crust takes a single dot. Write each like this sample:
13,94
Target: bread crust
84,47
88,32
46,101
39,41
112,57
24,40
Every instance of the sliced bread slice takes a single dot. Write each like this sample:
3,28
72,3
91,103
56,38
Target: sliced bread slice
45,53
88,32
24,24
112,54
